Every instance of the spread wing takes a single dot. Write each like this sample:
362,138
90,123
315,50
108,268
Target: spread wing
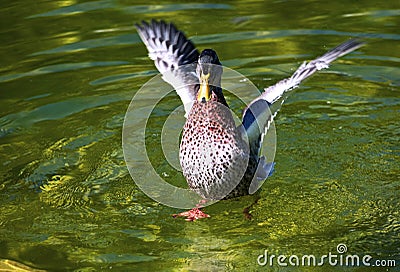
258,116
174,56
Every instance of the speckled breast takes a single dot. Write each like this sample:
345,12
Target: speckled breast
213,155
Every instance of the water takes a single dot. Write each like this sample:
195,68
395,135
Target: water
69,70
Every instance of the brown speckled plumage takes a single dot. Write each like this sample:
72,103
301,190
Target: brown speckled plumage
213,155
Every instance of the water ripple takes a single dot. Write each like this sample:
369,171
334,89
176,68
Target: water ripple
59,110
78,8
62,67
92,43
173,7
107,4
375,13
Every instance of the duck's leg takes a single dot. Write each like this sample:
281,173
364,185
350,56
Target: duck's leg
246,211
194,213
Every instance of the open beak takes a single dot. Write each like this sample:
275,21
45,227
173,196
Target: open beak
204,94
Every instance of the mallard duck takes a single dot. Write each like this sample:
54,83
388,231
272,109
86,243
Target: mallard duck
219,159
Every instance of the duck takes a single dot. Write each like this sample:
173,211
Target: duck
219,159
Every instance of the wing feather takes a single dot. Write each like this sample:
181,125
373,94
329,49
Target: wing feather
174,56
260,113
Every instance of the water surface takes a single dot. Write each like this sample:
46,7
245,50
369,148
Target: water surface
69,70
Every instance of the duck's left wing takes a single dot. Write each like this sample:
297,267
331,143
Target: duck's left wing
174,56
258,116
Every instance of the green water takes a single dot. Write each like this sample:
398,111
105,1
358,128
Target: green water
69,70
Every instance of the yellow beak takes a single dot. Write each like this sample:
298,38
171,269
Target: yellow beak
204,92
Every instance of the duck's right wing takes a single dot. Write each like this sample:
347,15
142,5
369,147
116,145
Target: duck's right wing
174,56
